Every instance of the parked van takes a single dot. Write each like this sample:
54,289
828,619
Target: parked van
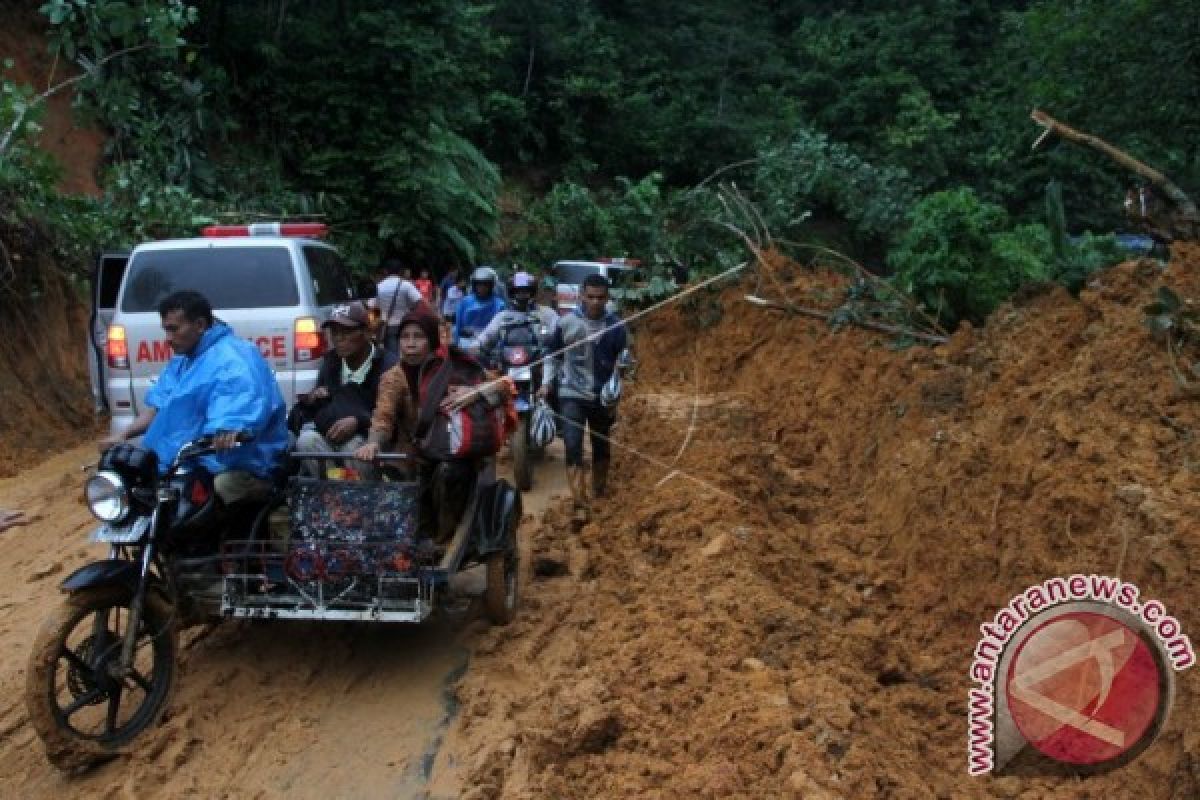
569,275
272,283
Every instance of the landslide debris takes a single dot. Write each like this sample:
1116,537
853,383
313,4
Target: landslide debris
793,613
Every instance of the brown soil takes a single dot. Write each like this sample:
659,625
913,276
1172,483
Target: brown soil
809,633
77,149
45,401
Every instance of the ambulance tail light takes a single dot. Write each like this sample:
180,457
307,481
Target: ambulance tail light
117,348
309,343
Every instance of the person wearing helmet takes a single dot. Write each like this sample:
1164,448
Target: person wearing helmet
477,309
521,291
585,349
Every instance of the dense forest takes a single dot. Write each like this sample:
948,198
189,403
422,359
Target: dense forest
445,131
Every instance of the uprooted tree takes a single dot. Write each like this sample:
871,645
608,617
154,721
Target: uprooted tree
1178,219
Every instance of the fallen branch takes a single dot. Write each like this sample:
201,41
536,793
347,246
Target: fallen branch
1187,223
6,140
873,280
815,313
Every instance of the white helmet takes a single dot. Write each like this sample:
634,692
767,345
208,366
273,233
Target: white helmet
542,429
484,275
610,395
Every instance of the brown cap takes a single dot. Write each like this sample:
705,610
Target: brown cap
348,315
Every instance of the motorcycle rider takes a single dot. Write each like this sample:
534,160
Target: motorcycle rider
216,384
585,347
477,309
521,290
336,415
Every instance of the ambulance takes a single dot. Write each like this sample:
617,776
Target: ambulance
273,283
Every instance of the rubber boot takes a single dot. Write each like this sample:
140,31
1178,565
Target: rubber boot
577,480
599,479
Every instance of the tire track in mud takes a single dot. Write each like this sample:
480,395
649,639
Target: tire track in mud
260,709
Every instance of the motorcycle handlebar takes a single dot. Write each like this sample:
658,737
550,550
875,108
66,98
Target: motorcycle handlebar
203,446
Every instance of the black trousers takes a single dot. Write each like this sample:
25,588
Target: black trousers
598,420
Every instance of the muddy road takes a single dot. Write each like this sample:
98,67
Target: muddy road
260,710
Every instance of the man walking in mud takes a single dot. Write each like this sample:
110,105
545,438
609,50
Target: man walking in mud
584,349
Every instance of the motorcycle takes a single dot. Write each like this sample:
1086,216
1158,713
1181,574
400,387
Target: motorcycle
104,662
521,352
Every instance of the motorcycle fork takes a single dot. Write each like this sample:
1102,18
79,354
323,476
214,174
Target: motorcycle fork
122,667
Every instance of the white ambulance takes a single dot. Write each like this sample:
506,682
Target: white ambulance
273,283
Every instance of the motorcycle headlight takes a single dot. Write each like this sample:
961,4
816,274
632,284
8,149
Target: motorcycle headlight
107,496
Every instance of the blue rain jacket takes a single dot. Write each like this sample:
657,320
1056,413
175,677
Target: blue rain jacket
473,316
224,385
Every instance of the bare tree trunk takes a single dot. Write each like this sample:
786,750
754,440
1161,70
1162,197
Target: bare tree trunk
1185,222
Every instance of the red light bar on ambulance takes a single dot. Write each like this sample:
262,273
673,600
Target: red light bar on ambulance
620,262
308,229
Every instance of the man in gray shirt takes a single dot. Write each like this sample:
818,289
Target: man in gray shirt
585,348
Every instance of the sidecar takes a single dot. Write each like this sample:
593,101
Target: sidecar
356,550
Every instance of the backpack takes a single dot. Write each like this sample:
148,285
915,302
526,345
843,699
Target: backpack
473,431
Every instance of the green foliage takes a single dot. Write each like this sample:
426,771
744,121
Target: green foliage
961,256
572,221
654,290
370,103
812,172
20,116
395,123
142,208
140,85
958,258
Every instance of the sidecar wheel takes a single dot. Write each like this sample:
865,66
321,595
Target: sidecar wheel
500,597
82,712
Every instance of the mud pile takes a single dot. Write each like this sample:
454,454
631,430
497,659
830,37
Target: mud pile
45,396
783,599
45,401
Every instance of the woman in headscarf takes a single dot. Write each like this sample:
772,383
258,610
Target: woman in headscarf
398,406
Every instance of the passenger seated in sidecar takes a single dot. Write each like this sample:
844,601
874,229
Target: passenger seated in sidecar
419,410
335,416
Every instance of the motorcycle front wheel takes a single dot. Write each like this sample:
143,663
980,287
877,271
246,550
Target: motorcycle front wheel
84,710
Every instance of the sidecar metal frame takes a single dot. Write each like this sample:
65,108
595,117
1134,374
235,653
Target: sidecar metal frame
260,581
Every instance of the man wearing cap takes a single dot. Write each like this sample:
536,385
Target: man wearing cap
336,415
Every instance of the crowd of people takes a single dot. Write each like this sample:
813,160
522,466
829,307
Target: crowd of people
414,350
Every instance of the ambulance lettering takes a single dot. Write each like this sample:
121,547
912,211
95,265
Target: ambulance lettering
154,351
271,347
